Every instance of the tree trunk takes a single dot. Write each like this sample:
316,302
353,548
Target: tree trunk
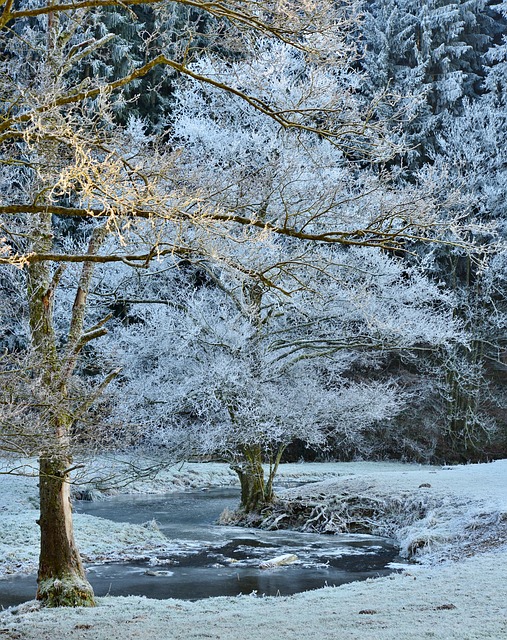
252,490
465,436
256,494
61,579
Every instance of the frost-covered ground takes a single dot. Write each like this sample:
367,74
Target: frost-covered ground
457,526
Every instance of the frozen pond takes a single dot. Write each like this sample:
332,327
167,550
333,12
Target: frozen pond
205,559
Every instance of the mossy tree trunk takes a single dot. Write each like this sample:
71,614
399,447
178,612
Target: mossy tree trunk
254,491
61,577
257,491
251,477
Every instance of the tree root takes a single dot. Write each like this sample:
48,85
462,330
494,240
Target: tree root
343,514
70,591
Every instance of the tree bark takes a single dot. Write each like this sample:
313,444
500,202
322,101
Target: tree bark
256,494
61,577
464,434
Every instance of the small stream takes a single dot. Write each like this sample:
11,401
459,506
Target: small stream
207,560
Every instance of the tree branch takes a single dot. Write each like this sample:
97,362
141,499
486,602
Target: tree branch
391,239
216,9
93,397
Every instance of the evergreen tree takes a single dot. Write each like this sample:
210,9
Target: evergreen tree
432,55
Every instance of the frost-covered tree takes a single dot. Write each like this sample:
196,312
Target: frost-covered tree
218,389
432,55
442,58
496,59
232,368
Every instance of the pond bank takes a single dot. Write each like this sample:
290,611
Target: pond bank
465,511
465,601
